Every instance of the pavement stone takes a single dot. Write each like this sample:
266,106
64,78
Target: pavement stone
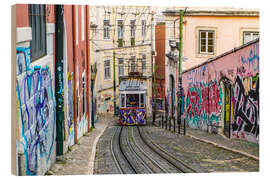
203,157
243,147
80,160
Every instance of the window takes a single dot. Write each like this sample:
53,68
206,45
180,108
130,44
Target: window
120,29
132,100
249,36
132,64
107,68
120,67
142,100
132,28
206,41
143,62
38,24
143,28
122,100
132,32
106,29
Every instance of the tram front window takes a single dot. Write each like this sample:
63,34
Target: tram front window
132,100
122,100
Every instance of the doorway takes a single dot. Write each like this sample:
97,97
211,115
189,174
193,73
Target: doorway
171,89
227,108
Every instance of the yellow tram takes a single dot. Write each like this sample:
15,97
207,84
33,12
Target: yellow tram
132,101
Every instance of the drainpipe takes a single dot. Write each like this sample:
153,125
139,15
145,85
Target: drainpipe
59,44
88,65
75,73
180,65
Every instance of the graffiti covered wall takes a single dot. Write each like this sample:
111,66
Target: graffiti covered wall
36,114
233,79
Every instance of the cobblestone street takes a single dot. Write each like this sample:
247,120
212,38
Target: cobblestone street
212,154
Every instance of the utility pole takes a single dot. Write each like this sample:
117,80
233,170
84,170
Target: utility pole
180,66
59,44
114,83
153,75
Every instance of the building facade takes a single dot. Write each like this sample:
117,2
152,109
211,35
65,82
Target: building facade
52,83
122,43
207,33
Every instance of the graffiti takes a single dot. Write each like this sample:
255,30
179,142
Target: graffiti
203,104
241,70
36,111
132,116
196,76
252,60
238,113
111,108
70,120
230,72
246,104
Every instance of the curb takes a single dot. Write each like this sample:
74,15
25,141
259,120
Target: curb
92,157
224,147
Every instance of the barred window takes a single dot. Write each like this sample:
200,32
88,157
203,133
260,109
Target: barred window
107,68
37,22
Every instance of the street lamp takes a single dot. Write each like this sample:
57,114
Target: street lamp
93,77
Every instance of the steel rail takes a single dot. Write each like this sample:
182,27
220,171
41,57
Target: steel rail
151,159
184,167
113,154
136,154
129,163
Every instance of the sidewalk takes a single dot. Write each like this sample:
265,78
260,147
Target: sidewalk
236,145
80,160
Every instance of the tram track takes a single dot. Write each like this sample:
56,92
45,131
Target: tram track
179,164
134,153
123,164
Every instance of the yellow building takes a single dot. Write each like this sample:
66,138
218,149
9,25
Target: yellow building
121,37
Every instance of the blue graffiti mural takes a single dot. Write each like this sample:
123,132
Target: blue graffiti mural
252,60
36,111
132,116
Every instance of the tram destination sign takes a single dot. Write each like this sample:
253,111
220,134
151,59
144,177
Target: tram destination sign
132,85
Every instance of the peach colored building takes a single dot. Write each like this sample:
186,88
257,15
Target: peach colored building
226,28
207,33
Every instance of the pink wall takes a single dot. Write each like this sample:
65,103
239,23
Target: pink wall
206,99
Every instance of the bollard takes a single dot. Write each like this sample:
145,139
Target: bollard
173,124
179,123
184,126
162,118
166,121
170,123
